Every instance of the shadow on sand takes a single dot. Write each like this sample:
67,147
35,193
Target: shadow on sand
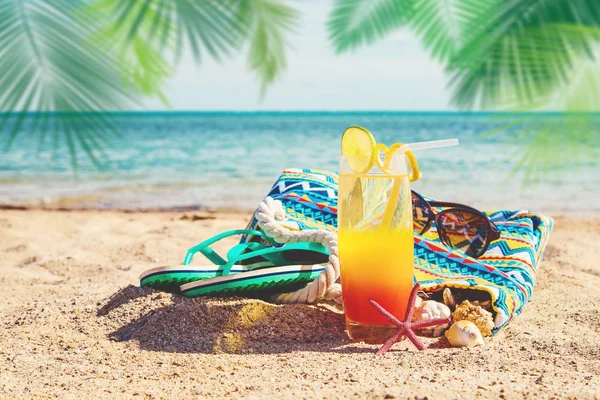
161,322
164,322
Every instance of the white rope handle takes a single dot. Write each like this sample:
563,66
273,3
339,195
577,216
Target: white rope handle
269,214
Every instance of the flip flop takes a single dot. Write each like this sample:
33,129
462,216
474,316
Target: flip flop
241,258
273,279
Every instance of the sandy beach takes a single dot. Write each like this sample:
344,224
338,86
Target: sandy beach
76,325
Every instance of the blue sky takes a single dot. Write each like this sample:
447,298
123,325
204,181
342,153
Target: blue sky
393,74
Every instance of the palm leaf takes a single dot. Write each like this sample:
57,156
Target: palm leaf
210,24
353,23
144,32
556,143
441,24
129,30
523,52
268,22
47,65
149,34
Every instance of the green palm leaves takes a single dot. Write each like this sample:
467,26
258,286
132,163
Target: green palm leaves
533,56
356,22
523,51
441,25
497,52
47,65
511,55
151,35
71,62
83,58
268,22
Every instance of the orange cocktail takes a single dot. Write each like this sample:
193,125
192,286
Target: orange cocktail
375,234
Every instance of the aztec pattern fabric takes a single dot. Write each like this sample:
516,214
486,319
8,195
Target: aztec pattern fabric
309,198
506,271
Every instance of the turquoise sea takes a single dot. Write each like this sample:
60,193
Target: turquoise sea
230,160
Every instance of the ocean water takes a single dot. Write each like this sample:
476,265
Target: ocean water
230,160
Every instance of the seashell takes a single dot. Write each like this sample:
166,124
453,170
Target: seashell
430,309
468,311
449,298
487,304
464,333
418,303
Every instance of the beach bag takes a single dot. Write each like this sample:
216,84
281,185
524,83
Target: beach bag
309,199
506,271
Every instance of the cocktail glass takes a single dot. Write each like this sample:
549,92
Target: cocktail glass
375,234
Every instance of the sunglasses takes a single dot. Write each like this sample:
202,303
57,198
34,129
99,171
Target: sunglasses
459,227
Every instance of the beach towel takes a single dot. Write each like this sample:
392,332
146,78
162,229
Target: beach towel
506,271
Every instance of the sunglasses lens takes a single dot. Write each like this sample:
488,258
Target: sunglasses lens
421,213
465,231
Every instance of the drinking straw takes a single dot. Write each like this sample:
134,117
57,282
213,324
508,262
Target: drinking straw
432,144
388,214
391,206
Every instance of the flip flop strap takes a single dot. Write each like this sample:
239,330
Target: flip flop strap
236,254
213,256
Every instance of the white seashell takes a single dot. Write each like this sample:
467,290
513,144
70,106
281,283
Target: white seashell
464,333
418,304
430,309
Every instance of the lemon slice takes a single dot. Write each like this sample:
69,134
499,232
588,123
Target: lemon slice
358,146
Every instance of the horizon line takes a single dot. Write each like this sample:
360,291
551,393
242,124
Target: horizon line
189,112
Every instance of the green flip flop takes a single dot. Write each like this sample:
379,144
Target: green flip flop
241,258
264,280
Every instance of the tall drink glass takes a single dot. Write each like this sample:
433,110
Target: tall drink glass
375,234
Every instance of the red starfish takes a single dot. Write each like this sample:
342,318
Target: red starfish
406,327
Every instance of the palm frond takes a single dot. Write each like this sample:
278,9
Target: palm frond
47,65
147,34
580,100
441,24
268,22
146,69
522,51
555,143
129,29
353,23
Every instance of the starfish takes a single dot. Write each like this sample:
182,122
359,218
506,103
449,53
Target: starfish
406,327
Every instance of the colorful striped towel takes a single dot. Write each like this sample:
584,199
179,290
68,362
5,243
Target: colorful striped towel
506,271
